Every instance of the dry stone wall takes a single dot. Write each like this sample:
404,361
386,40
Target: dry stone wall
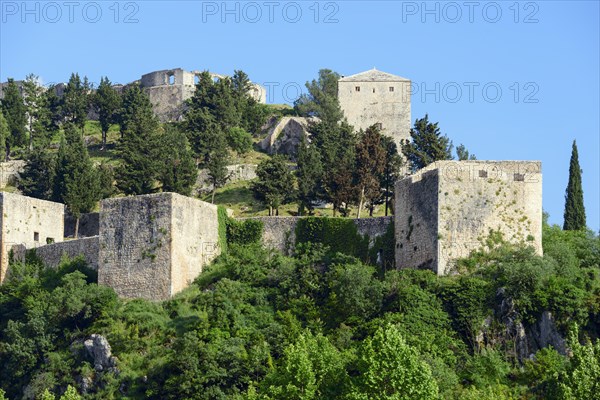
52,254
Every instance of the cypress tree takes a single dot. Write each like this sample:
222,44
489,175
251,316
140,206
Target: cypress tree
574,208
15,113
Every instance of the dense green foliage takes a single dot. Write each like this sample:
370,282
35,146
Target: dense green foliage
338,234
318,325
275,183
427,145
574,217
14,112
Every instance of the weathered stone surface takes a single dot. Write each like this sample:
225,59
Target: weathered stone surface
448,209
285,135
89,248
28,222
153,246
99,350
376,97
89,225
279,233
237,172
9,172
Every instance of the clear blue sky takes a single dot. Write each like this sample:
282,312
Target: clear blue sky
543,56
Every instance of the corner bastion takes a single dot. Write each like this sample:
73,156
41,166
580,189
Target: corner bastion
154,246
449,208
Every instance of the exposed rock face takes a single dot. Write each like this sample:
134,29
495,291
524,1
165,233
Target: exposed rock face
236,172
99,349
545,333
285,135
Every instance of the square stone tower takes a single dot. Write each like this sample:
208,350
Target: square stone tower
154,246
29,222
446,210
376,97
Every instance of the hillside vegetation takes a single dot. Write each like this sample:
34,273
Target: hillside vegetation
317,325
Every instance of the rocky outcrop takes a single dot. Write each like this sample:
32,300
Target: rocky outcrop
99,350
236,173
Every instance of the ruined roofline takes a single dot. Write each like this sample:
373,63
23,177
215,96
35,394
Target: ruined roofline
373,75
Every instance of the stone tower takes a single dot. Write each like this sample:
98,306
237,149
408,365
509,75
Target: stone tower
447,209
376,97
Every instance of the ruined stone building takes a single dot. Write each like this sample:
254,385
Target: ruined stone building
449,208
376,97
169,89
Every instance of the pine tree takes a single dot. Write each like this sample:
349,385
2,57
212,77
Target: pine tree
140,146
15,113
391,171
427,145
322,98
33,94
4,130
463,154
574,209
218,159
76,182
108,102
370,164
309,175
275,183
178,173
75,101
37,178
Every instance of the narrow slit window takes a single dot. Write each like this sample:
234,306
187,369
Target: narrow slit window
357,88
391,88
171,79
36,236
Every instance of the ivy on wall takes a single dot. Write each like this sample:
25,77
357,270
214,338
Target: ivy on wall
223,218
244,232
339,234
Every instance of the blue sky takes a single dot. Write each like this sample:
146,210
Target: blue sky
511,80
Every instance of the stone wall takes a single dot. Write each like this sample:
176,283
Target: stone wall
449,208
29,222
284,135
153,246
9,172
237,172
52,254
279,233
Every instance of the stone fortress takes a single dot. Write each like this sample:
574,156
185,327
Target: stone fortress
154,246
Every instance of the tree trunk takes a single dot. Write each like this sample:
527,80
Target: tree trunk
212,201
76,228
360,202
334,209
103,140
270,211
7,154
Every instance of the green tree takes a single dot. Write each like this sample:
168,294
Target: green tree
391,369
76,182
37,178
275,183
322,98
75,101
391,171
15,113
108,103
309,175
574,209
462,154
179,172
582,378
33,94
370,165
239,140
4,130
427,145
140,145
218,159
337,144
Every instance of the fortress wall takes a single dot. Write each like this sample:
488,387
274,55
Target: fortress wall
52,254
29,222
153,246
416,221
476,197
135,246
279,233
195,239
